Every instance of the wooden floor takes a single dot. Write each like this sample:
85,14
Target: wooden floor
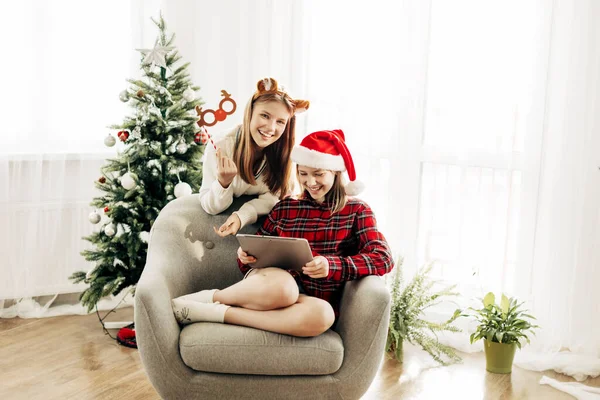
71,358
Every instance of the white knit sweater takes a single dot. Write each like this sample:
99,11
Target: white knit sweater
215,199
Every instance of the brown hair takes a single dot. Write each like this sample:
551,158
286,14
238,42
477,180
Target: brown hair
336,196
278,167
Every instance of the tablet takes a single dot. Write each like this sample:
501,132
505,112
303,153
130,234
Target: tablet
275,251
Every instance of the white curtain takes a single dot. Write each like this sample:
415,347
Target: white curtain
565,272
474,125
65,64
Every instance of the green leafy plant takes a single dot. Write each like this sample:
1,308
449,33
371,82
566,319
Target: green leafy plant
505,323
406,316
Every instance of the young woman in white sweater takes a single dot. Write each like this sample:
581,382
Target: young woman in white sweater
254,158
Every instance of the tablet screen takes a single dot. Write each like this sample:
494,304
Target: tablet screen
274,251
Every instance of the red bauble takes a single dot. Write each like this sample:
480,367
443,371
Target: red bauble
220,115
201,137
123,135
102,179
106,209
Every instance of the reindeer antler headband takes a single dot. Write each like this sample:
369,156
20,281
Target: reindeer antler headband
269,85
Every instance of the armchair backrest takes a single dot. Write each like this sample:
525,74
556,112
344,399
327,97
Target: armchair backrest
191,256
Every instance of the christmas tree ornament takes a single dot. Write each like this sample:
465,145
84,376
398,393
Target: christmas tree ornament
94,217
144,236
110,140
110,230
182,189
123,135
106,209
102,179
205,137
155,56
140,93
128,180
124,96
189,94
182,147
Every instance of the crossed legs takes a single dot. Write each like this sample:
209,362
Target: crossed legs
267,299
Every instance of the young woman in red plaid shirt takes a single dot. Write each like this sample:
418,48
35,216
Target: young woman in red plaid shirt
343,236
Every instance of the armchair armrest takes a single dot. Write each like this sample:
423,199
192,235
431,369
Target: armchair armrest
363,326
157,331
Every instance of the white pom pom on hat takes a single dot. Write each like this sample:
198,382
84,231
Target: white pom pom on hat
354,188
328,150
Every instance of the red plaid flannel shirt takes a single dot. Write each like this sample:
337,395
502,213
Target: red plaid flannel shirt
349,239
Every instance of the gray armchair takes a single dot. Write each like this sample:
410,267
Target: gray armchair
219,361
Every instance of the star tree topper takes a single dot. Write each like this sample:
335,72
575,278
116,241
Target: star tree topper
156,55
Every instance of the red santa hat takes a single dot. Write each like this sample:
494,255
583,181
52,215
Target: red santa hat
328,150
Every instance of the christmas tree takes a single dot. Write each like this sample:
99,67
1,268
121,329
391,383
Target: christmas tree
160,161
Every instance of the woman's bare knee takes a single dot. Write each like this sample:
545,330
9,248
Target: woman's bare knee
316,318
277,287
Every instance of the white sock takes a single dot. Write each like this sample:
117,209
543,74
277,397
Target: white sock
187,311
203,296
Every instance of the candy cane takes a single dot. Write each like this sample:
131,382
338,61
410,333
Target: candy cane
205,136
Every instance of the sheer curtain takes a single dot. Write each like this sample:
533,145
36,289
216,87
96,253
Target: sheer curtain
565,271
474,125
61,93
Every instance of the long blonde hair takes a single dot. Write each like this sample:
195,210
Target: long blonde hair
278,169
336,196
278,163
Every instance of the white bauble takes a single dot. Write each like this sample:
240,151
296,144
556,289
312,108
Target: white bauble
144,236
94,217
128,181
182,189
182,147
110,230
124,96
110,140
189,95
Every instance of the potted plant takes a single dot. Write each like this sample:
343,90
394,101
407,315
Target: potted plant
406,316
502,327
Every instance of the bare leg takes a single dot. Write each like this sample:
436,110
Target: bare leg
264,289
268,299
309,316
